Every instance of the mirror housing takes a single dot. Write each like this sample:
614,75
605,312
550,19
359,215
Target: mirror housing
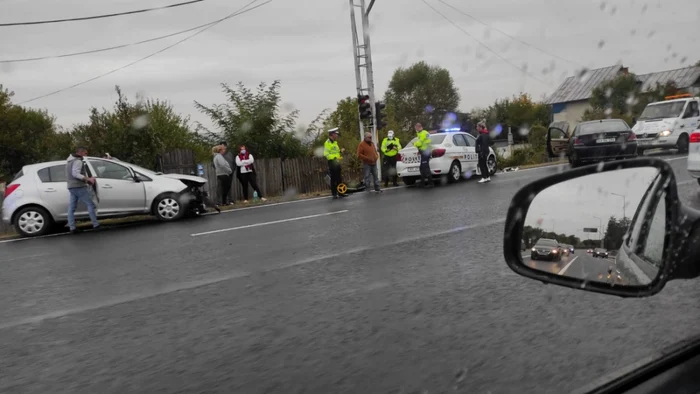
133,175
681,243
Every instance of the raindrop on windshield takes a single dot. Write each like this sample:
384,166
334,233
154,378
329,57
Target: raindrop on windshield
601,43
633,32
246,126
608,92
140,122
651,34
583,75
600,166
524,130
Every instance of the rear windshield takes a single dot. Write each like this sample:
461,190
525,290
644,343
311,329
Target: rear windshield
547,242
435,139
603,127
18,175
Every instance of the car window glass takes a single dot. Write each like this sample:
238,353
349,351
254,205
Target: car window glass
109,170
58,173
471,141
458,139
44,175
654,243
635,229
18,175
557,133
601,127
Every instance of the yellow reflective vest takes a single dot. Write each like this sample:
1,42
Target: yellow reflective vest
423,143
386,147
331,150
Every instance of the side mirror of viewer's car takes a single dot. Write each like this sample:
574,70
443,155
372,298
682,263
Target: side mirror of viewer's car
628,206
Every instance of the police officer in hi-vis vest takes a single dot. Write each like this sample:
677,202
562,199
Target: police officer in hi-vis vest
424,146
390,148
331,151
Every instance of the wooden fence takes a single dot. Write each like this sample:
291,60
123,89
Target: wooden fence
278,177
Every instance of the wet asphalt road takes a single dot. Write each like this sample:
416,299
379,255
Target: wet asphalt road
579,265
401,292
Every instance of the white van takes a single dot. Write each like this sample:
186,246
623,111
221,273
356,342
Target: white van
667,124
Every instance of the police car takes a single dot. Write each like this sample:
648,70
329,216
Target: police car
453,157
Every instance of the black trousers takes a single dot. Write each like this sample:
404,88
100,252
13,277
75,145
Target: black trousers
224,182
389,171
335,172
425,174
249,178
483,167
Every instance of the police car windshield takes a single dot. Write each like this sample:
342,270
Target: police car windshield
435,139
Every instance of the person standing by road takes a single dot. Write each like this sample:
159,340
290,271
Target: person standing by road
223,174
483,143
246,173
423,144
78,183
332,153
390,148
228,155
367,152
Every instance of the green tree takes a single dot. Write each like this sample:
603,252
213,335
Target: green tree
253,118
615,232
416,92
27,136
138,132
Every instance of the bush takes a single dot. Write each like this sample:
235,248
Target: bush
524,156
537,137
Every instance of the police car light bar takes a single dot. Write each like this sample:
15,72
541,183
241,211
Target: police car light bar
677,96
453,129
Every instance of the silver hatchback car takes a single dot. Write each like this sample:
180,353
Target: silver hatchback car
36,201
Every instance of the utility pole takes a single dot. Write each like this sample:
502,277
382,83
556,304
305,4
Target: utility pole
362,55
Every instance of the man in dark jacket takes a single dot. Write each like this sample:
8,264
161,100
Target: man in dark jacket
483,143
78,183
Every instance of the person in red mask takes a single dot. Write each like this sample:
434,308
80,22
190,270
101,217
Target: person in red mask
246,173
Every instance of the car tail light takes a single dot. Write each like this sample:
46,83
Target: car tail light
438,152
632,137
695,138
577,141
399,157
10,188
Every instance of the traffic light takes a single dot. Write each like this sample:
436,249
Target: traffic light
378,112
364,106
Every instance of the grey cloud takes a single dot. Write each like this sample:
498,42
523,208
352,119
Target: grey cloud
308,48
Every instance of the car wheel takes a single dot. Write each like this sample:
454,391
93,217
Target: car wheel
168,208
33,222
682,144
491,164
455,172
409,180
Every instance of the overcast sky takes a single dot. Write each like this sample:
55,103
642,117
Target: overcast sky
568,207
307,45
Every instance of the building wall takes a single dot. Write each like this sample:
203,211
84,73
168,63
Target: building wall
571,112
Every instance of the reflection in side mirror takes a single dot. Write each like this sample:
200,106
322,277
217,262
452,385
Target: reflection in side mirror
619,216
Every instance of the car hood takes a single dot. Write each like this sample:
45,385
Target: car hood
183,177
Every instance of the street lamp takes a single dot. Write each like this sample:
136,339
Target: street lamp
624,203
600,230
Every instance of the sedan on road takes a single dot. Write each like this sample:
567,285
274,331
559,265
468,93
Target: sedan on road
546,249
599,140
37,198
453,156
600,252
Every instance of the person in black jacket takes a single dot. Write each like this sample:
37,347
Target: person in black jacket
483,142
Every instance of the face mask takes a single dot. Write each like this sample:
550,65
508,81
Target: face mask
243,151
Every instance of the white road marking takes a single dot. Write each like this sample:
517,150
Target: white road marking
173,287
26,257
27,239
566,267
268,223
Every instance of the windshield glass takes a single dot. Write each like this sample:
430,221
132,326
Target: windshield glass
546,242
603,127
672,109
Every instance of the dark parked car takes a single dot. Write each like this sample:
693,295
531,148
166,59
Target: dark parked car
546,249
595,141
599,252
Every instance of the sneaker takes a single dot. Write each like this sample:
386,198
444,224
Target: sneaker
76,231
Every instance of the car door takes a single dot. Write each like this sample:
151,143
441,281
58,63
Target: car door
460,151
117,190
557,141
54,191
472,157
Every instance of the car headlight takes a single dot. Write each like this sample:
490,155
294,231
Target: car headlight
665,133
534,250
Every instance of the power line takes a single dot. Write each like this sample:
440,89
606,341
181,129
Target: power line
240,11
508,35
84,18
30,59
485,46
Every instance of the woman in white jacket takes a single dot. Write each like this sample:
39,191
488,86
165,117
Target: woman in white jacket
246,173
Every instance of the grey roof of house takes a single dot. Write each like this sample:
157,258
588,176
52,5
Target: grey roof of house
577,88
683,77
